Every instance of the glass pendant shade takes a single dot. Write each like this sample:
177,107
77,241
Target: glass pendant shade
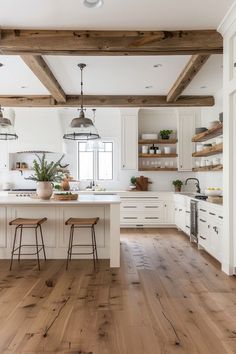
82,128
6,129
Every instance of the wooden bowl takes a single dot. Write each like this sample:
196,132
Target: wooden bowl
64,197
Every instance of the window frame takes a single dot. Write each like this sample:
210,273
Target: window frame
96,162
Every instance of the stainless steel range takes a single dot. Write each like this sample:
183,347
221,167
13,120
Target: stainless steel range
22,192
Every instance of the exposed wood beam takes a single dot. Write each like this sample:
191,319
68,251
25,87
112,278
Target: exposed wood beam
39,67
40,42
186,76
106,101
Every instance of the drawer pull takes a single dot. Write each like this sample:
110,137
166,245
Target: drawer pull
151,217
203,238
187,226
188,212
203,210
212,213
202,220
180,209
130,207
130,217
151,206
220,217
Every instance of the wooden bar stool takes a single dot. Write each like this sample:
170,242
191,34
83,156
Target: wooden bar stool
21,224
80,223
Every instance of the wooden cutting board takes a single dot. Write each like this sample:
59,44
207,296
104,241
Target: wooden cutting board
142,183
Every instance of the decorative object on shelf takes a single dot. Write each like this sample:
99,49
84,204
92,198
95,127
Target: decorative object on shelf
151,136
165,134
167,149
200,130
65,196
144,149
82,128
152,150
133,180
178,185
65,185
6,128
44,174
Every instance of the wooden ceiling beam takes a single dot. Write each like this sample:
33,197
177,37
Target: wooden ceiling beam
81,42
40,68
106,101
189,72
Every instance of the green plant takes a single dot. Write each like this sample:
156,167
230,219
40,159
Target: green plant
46,172
165,133
177,183
133,180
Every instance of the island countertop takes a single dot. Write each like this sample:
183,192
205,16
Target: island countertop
83,199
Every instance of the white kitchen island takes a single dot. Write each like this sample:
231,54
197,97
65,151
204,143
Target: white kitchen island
56,233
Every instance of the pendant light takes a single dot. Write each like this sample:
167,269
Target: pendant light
6,129
82,128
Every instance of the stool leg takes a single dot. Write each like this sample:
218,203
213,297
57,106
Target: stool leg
41,234
69,247
13,247
95,242
21,228
93,245
37,246
72,240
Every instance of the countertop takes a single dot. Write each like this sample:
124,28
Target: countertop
83,199
191,196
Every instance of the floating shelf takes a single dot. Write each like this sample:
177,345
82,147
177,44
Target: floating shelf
163,141
158,169
22,169
209,168
208,134
157,155
214,150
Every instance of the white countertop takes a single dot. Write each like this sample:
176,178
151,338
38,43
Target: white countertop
83,199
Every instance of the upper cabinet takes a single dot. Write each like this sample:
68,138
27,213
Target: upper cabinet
186,130
129,140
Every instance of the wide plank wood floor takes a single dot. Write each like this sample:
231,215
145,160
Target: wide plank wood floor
167,297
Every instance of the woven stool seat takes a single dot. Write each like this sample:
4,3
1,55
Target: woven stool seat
24,221
82,221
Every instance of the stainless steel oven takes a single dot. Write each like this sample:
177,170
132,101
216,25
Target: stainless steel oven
193,221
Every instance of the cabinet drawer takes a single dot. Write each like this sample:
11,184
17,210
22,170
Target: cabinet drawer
141,218
141,206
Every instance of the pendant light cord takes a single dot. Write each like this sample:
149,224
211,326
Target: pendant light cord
81,88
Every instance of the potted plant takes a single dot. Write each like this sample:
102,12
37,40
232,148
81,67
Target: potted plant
45,174
178,184
165,134
132,182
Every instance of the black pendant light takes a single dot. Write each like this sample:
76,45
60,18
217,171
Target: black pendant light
81,128
6,129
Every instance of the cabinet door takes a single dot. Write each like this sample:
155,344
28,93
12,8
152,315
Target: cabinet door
4,159
203,233
215,240
186,127
129,143
169,215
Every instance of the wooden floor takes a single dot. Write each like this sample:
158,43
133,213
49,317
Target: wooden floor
167,298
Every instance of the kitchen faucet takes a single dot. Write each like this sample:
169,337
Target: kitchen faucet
197,184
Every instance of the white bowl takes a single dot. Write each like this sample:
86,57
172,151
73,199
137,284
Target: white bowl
213,193
149,136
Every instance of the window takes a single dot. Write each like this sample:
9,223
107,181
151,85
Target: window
95,164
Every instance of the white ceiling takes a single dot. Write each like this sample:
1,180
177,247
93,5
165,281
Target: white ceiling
112,75
115,14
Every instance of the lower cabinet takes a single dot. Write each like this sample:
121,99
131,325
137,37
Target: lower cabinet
146,211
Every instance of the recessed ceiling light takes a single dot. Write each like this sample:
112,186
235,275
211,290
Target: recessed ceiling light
148,87
157,65
203,87
93,3
23,87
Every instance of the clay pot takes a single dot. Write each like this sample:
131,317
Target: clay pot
177,189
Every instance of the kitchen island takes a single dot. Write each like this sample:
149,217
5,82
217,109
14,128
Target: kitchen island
56,233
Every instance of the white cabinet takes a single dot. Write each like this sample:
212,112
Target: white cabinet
210,225
129,142
4,156
186,130
149,210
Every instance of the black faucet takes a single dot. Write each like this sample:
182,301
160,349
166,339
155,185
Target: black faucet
197,184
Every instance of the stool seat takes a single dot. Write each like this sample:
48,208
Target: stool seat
82,221
23,221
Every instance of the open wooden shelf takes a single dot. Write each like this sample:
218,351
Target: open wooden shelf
208,134
209,168
22,169
158,169
214,150
157,155
163,141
